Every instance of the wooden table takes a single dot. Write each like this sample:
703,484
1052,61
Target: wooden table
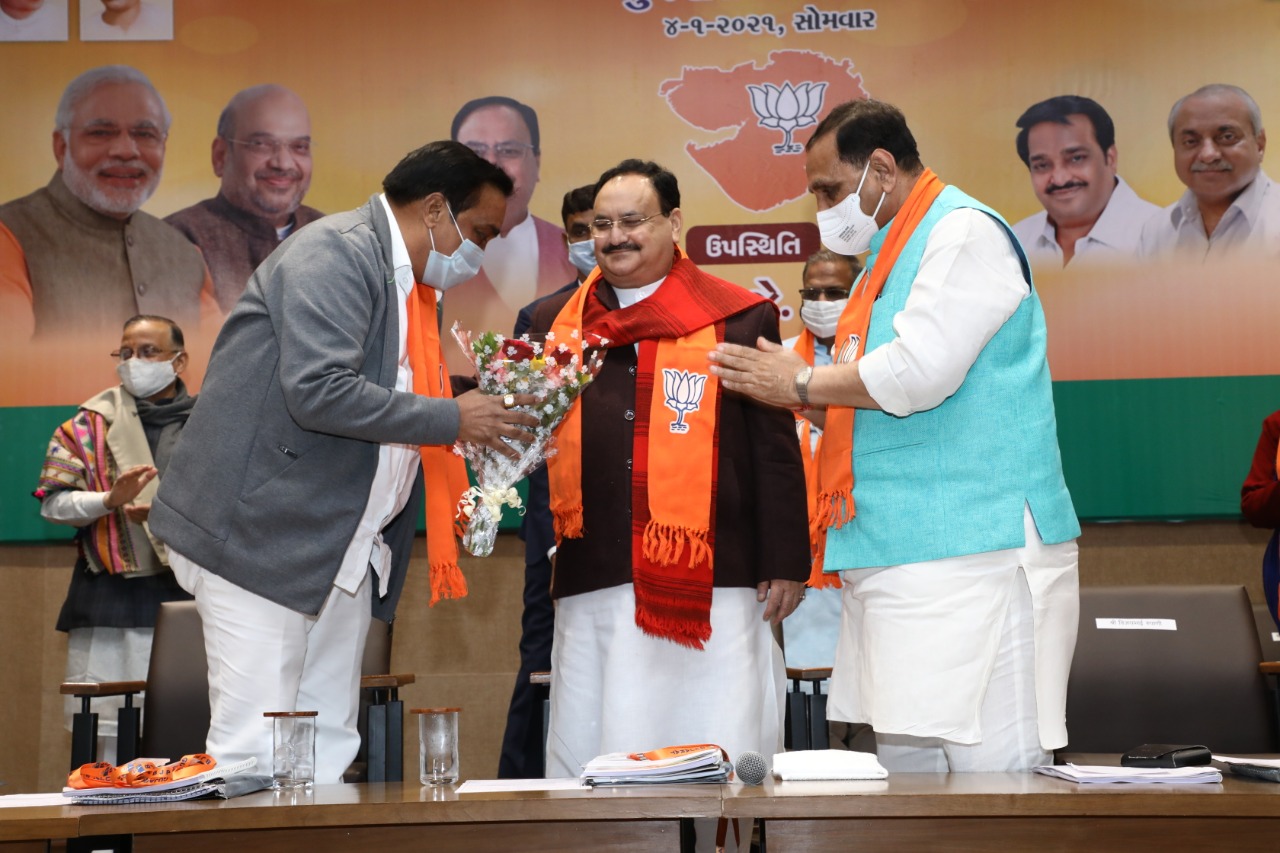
1010,812
1007,813
29,829
395,816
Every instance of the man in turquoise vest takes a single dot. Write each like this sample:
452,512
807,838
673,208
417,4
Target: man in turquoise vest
941,483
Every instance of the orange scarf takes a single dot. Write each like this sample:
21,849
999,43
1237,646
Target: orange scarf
818,579
834,504
677,409
444,473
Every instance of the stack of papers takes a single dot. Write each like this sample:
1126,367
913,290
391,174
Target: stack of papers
227,780
827,764
1145,775
702,762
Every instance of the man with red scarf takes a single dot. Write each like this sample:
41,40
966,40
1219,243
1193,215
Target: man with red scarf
941,499
679,508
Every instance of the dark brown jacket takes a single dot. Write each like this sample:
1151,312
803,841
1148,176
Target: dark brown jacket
761,527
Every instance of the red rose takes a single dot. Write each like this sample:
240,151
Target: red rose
514,349
560,356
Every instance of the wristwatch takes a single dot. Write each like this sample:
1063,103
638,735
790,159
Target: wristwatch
802,386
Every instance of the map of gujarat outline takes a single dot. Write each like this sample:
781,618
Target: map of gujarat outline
745,166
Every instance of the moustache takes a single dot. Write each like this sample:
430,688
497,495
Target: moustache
621,247
138,164
292,174
1215,166
1069,185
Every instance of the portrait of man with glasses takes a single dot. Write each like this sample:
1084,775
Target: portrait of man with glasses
77,256
262,154
528,259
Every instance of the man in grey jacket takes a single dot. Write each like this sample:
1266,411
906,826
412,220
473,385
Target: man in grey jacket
290,504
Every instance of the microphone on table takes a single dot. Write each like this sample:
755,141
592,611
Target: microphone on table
751,768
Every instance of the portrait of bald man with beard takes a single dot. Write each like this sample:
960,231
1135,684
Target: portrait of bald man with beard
78,257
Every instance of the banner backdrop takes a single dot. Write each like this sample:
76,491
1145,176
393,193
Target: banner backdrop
1164,368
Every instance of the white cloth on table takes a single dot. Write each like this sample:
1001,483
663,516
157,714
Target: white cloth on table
819,764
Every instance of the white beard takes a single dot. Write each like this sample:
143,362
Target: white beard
118,203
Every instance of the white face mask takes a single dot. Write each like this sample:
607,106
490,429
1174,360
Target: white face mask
446,271
583,255
144,378
845,229
821,317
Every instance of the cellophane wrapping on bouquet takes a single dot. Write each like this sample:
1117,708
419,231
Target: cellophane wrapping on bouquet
555,372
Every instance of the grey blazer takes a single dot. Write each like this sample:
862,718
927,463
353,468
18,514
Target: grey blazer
274,467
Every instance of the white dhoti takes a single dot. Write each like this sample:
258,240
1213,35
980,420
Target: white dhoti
615,688
265,657
972,650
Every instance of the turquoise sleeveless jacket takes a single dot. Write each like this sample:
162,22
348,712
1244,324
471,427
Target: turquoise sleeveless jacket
953,480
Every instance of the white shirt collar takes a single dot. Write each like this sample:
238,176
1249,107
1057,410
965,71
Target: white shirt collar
399,251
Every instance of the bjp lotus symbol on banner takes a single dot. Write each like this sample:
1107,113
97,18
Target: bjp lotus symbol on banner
787,109
748,106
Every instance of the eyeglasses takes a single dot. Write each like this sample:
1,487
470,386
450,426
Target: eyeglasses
823,294
625,224
269,146
146,352
503,150
143,135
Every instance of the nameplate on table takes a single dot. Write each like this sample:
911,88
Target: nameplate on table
1114,624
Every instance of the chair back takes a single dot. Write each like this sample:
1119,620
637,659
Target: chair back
1268,633
377,649
1168,664
175,710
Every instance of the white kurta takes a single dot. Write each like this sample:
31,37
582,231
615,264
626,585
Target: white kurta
919,642
615,688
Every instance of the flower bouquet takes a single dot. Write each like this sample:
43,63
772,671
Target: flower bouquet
553,371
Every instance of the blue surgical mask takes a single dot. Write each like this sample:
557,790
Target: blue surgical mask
583,255
446,271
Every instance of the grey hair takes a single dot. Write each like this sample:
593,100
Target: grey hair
81,87
1255,114
825,255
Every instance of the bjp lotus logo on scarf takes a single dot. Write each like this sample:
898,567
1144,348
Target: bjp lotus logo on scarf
683,389
849,350
787,109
